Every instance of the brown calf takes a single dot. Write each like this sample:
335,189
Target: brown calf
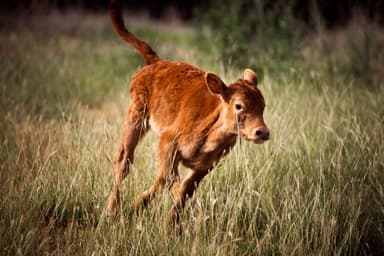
196,116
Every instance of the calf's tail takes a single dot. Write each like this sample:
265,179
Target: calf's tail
141,46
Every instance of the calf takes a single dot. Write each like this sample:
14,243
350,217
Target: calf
196,116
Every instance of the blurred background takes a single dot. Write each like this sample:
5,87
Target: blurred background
241,30
332,12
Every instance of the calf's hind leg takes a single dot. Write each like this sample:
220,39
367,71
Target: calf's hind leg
134,129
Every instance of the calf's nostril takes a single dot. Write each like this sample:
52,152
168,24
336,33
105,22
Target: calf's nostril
259,132
262,133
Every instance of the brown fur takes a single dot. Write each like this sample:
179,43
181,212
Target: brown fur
196,116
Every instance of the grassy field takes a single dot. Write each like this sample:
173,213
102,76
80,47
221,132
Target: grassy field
317,188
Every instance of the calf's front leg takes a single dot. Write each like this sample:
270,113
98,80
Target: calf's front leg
167,171
184,190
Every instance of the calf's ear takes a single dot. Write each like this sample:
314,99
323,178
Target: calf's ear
214,84
250,76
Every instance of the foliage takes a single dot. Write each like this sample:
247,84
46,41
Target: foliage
269,38
241,29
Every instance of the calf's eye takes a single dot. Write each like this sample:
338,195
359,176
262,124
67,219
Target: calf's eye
238,107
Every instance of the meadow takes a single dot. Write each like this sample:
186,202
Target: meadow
316,188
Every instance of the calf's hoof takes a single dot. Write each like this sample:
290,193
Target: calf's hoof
112,207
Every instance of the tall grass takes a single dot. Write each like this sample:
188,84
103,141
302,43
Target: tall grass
315,189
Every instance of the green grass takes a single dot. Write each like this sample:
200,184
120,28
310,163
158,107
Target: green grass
315,189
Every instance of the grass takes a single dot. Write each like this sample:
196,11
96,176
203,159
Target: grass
315,189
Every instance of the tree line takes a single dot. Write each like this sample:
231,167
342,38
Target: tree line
332,12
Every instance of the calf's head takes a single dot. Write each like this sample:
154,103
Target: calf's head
243,106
